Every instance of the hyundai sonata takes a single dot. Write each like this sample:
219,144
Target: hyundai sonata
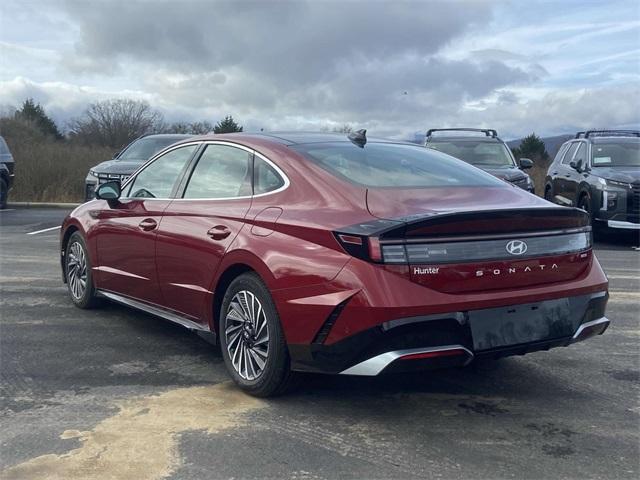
335,254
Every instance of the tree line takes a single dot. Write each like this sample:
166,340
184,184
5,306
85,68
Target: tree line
110,123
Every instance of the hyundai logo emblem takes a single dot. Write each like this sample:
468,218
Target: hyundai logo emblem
516,247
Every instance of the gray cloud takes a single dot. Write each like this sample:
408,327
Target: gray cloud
341,61
393,67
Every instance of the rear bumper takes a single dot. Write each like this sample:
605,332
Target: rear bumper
453,339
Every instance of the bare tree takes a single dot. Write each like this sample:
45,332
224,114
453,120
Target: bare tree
115,123
193,128
345,128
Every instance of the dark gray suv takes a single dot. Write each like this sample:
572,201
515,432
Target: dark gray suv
6,172
128,160
599,172
483,149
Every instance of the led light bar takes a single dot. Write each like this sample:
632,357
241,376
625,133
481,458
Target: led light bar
470,251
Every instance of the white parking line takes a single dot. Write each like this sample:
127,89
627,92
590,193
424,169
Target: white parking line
8,210
44,230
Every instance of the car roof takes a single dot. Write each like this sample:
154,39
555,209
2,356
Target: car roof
295,137
615,139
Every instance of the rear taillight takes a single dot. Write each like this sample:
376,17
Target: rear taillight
463,250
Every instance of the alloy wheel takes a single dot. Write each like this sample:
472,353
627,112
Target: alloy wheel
247,335
77,270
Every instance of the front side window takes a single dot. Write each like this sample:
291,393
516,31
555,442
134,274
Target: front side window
265,177
621,154
222,172
482,154
581,154
158,178
394,165
569,155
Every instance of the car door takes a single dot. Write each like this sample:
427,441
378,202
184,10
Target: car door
126,232
563,173
573,177
197,229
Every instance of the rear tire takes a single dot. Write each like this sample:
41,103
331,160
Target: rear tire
4,193
251,339
77,270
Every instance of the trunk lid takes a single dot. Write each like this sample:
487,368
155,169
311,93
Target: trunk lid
478,239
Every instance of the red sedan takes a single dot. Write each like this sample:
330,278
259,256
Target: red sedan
336,254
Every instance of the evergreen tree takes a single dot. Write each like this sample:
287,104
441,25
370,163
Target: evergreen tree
531,147
228,125
33,112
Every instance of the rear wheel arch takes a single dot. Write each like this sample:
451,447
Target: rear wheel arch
230,273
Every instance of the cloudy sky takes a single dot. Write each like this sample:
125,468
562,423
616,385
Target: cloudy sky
395,68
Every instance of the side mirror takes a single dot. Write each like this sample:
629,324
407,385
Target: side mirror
576,165
526,163
109,191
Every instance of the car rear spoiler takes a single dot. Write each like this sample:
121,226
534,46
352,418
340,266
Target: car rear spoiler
479,223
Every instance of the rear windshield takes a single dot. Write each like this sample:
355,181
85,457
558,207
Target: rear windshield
616,154
394,165
482,154
145,148
3,147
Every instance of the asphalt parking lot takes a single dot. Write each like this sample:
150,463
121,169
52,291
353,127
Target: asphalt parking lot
114,393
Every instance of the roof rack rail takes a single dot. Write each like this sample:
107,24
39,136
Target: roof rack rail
489,132
608,133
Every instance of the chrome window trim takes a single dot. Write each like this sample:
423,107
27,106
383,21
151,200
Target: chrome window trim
278,170
161,153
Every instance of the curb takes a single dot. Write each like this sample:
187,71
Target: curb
41,205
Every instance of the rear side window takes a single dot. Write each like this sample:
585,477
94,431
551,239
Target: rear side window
394,165
159,177
569,155
222,172
265,177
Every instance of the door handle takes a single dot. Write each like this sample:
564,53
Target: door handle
219,232
568,175
148,224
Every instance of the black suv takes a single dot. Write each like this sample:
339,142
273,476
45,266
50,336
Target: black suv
599,172
128,160
6,172
483,149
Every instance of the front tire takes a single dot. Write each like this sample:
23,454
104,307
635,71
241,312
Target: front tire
78,273
251,338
